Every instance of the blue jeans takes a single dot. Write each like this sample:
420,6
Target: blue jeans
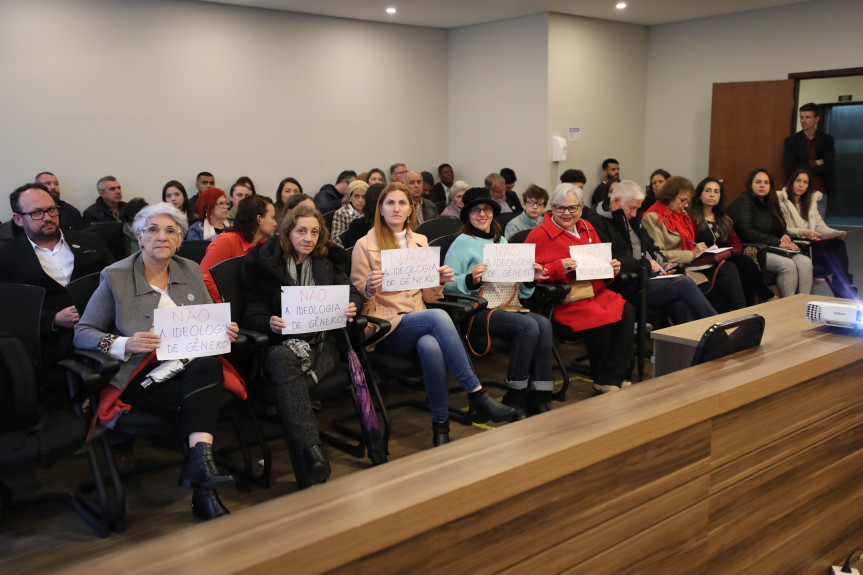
680,297
530,340
431,334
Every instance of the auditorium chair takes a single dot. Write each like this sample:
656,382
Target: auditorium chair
717,342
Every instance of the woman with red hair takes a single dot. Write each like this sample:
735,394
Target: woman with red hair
213,206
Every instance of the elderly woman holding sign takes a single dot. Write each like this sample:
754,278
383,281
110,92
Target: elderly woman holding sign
296,256
416,329
602,316
529,375
118,321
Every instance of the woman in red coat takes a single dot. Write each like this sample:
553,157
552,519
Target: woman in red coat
603,318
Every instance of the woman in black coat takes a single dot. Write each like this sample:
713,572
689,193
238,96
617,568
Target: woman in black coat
296,256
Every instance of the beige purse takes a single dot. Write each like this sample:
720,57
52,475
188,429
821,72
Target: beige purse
578,291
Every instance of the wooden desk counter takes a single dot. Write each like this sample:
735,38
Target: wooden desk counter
749,464
674,347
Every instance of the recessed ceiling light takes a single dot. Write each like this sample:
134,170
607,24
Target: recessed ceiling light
620,5
391,10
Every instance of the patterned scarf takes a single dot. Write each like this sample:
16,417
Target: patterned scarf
301,347
681,224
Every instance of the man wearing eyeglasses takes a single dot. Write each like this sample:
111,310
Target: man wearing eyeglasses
398,171
50,258
107,206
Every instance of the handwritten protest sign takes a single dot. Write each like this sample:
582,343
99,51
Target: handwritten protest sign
412,268
192,330
314,308
508,262
593,261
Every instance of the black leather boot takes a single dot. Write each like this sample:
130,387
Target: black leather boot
440,433
201,470
515,398
537,401
485,408
206,504
317,466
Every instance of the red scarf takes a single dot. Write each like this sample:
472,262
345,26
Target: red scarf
681,224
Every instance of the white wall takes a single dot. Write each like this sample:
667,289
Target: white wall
597,79
685,59
498,100
155,90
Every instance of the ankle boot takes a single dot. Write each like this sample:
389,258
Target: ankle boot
201,471
515,398
206,504
485,408
537,401
440,433
317,466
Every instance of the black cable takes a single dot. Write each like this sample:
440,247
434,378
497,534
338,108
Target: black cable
846,567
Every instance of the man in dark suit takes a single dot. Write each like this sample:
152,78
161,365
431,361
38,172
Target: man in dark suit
70,217
440,191
107,206
814,151
424,207
508,200
46,256
610,171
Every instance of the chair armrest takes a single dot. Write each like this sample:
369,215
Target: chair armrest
458,311
384,328
104,365
259,339
85,380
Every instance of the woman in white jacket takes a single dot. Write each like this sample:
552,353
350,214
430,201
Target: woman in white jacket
798,203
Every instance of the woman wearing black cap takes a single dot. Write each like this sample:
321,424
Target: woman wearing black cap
529,374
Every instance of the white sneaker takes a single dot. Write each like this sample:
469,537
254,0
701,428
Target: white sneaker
625,383
605,388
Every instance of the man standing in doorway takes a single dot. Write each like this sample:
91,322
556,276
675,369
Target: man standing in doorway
813,150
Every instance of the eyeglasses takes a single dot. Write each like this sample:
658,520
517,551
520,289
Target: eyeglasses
487,210
40,214
571,209
535,203
156,231
683,200
228,203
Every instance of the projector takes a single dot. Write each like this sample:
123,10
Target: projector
836,314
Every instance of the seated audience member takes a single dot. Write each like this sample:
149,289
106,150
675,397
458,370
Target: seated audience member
673,233
286,189
534,200
118,322
657,178
573,176
299,199
509,178
799,204
506,199
440,193
297,256
758,220
610,171
376,176
174,193
709,213
238,192
70,217
46,256
248,183
398,171
254,224
127,215
213,216
616,221
454,204
107,206
359,227
529,375
416,329
423,207
428,183
352,210
330,197
203,182
602,317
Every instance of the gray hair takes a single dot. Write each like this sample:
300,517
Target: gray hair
493,178
100,185
560,192
395,167
457,186
627,191
161,209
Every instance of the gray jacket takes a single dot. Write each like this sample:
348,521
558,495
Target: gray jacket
123,304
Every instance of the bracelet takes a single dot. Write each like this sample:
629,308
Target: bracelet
106,342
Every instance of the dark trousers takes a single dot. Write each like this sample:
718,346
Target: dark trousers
193,395
751,279
727,291
609,348
832,256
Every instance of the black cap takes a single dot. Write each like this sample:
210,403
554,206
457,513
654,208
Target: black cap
474,197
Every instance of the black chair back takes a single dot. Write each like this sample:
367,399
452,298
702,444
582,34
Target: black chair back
519,237
82,290
503,219
226,274
444,242
193,250
111,234
717,342
328,219
22,306
439,227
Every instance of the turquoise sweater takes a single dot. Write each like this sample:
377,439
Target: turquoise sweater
464,253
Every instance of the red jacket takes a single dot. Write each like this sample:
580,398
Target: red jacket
552,246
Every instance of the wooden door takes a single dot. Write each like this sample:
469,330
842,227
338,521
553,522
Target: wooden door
749,122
